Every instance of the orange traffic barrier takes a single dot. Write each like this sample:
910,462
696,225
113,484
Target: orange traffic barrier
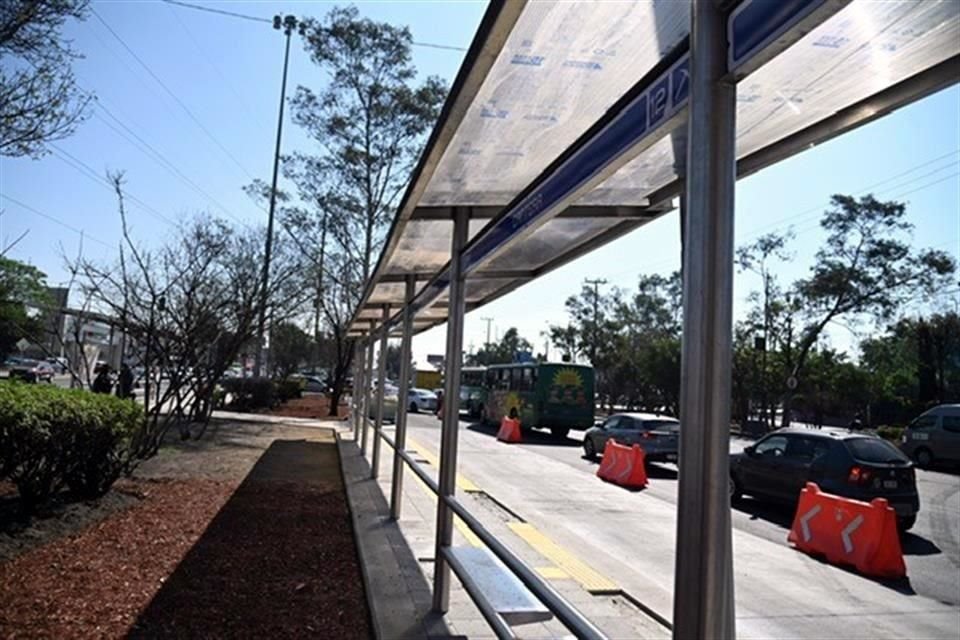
623,465
849,532
509,430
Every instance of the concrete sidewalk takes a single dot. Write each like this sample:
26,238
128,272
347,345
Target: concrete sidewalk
398,560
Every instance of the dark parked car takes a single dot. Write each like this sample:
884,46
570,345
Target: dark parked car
32,371
844,463
657,435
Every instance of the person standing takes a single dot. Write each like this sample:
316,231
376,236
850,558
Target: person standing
125,382
102,383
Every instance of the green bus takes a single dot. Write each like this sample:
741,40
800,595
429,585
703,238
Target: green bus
473,392
545,395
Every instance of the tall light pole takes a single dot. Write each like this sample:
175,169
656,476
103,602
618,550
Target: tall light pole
288,23
596,316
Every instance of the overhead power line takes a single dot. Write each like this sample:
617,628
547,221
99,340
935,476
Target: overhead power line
244,16
222,12
173,95
92,174
54,220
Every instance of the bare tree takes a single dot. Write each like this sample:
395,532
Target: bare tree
39,100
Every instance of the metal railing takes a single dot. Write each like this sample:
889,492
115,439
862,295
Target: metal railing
566,613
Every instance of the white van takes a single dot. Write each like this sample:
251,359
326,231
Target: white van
934,436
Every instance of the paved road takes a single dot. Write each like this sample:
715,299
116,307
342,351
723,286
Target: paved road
629,536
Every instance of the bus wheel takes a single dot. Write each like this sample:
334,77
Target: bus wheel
560,432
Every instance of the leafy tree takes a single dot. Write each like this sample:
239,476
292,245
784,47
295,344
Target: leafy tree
289,348
369,122
21,286
39,100
503,352
768,305
866,267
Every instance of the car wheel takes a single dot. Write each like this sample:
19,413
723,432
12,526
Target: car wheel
905,523
923,456
736,492
589,450
414,408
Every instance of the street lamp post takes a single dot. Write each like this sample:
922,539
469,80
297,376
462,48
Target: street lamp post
288,23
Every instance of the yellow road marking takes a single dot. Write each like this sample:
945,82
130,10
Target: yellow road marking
463,484
461,526
552,573
576,569
566,565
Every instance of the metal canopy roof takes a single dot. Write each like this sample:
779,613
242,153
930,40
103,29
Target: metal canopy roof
542,78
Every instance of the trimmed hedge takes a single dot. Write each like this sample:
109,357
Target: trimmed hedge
247,394
289,389
51,438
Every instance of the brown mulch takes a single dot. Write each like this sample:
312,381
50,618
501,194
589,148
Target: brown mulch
315,406
200,556
94,583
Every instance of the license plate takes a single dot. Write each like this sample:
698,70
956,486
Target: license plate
920,436
889,484
672,457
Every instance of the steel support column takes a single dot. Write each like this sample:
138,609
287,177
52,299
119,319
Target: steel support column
451,411
396,485
354,395
367,377
703,605
381,383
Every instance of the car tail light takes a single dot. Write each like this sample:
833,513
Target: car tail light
647,435
859,475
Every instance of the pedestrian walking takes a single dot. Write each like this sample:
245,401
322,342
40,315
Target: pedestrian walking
439,404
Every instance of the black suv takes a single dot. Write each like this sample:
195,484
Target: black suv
844,463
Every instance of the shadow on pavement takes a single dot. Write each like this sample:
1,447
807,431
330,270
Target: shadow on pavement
278,560
533,436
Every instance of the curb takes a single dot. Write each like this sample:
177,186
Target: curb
373,619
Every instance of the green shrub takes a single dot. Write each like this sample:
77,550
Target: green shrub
51,438
890,432
247,394
289,389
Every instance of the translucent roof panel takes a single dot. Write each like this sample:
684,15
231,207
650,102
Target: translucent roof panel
867,47
424,245
542,245
563,66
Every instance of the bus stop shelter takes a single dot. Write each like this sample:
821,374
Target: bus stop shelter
571,124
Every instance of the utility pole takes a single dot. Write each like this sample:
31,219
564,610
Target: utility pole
486,345
288,23
595,283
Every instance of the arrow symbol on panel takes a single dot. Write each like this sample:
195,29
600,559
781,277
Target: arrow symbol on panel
805,521
847,530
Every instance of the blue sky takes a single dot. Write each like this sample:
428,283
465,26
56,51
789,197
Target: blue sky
227,73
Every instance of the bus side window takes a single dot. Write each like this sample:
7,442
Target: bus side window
504,379
526,379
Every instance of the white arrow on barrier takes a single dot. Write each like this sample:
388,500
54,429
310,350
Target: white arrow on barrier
847,530
805,521
626,472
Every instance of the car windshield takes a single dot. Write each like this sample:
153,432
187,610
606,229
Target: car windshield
875,450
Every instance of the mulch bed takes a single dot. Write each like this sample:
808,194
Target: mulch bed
94,583
315,406
201,557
